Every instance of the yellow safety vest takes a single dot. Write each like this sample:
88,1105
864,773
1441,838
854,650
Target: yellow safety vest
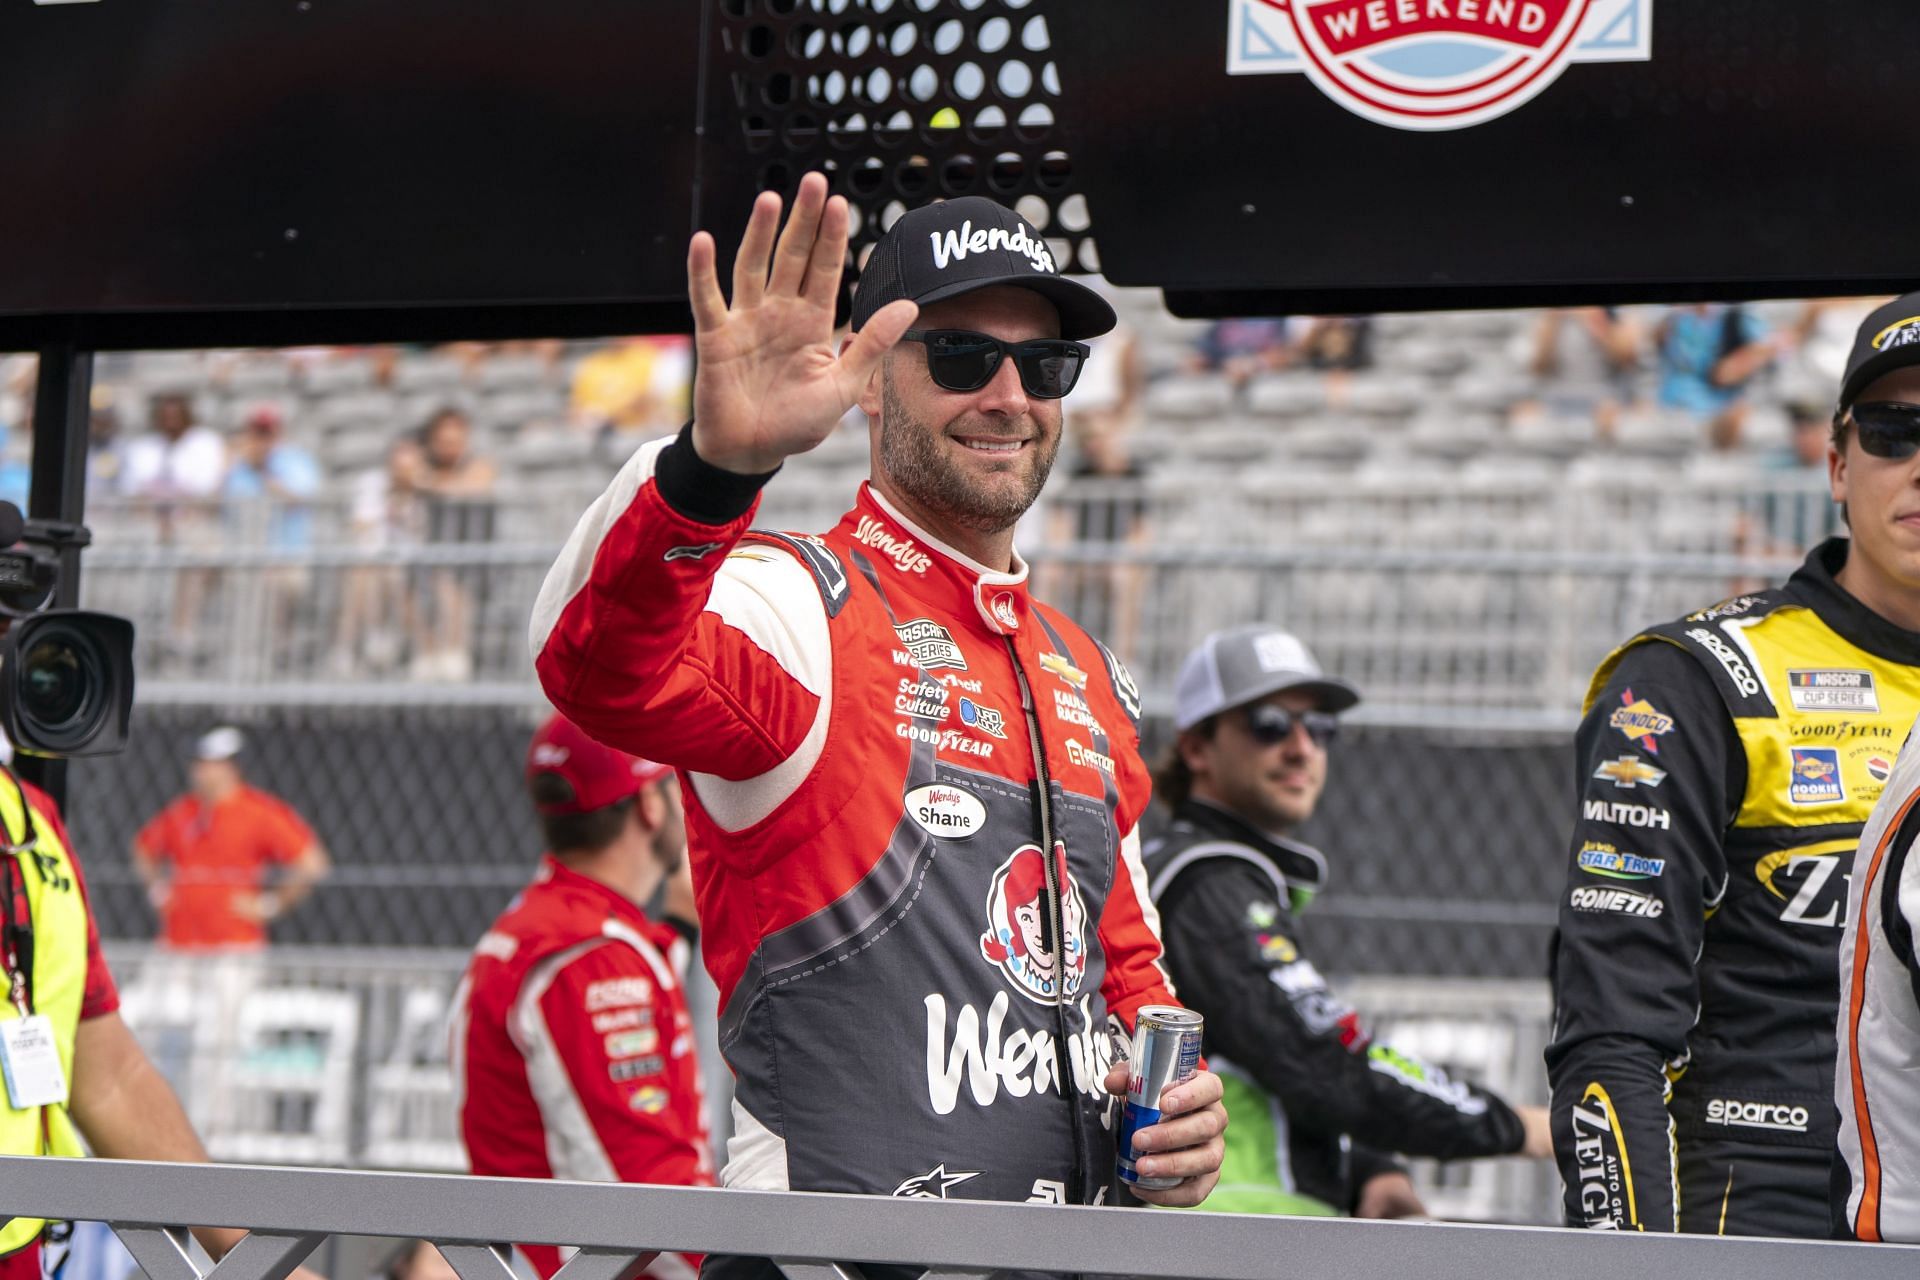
59,919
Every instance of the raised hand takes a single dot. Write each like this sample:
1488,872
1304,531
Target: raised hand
769,383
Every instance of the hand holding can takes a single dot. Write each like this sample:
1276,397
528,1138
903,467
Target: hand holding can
1166,1051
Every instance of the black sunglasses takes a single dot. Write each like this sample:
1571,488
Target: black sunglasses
1268,724
1888,429
962,360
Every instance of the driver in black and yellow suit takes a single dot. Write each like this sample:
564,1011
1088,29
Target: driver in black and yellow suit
1726,764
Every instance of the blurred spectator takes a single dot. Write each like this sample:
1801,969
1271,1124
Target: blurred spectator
635,385
105,452
1584,361
177,461
1334,343
1798,508
1824,337
1709,355
1338,346
206,858
220,864
387,516
275,479
268,488
1241,348
175,469
458,487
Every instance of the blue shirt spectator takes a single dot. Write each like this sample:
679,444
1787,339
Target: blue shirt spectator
266,467
1708,355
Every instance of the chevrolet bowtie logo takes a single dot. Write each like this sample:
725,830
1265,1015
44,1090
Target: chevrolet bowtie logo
1630,772
1054,664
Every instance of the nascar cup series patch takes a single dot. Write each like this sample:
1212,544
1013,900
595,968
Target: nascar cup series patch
1433,64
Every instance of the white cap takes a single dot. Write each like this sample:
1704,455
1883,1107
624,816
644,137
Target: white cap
223,743
1243,664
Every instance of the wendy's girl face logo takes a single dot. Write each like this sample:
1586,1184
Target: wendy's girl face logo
1434,64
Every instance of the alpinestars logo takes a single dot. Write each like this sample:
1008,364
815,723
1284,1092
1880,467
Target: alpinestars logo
1434,64
933,1185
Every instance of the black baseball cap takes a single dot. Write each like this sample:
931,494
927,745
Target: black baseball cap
956,246
1888,339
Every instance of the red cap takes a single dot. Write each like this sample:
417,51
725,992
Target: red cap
599,775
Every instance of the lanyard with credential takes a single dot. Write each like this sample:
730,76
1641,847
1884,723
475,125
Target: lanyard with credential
16,936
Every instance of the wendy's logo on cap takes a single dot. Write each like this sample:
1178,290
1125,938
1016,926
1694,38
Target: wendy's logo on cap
957,244
1434,64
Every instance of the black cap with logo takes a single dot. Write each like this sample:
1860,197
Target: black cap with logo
1888,339
956,246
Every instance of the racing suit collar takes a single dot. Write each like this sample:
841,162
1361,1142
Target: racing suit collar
560,875
1813,585
1303,867
999,599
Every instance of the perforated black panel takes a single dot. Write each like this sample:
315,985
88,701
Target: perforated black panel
899,102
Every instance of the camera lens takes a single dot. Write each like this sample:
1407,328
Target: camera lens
66,683
55,687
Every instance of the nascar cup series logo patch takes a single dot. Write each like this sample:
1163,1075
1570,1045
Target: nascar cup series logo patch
1434,64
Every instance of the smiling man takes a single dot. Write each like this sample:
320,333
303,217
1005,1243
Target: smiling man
889,750
1319,1106
1724,767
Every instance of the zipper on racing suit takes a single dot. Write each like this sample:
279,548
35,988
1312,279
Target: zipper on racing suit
1056,925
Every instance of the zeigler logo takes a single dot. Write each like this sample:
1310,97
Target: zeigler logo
1434,64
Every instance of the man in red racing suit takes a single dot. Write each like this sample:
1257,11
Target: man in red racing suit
572,1044
882,738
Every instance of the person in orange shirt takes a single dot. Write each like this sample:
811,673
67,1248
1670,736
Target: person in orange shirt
205,858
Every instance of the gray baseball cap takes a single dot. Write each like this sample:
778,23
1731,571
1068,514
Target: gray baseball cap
1243,664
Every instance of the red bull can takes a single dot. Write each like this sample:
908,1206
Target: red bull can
1166,1050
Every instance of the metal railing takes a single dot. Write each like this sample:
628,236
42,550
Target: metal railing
290,1211
338,1057
1500,629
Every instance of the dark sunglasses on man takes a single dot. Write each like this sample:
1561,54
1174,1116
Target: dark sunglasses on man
1887,428
1268,724
962,360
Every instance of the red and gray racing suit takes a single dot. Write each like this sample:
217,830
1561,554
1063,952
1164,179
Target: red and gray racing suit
912,796
572,1049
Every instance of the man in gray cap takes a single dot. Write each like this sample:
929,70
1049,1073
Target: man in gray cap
1316,1102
